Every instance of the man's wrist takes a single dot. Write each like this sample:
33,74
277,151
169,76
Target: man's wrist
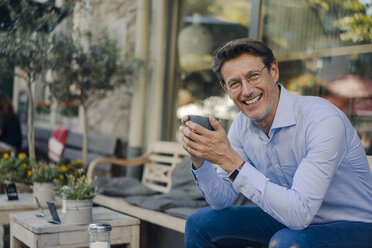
235,172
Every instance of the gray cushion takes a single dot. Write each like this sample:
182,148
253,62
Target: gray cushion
122,186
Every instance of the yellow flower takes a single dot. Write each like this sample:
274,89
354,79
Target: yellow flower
61,176
22,155
64,168
24,165
29,173
6,155
79,161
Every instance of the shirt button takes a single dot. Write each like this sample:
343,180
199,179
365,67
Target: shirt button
284,184
276,166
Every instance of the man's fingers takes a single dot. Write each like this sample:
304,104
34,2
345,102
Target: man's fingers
216,124
185,119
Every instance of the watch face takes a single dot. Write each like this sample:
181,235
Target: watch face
233,175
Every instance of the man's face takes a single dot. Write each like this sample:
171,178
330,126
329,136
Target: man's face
258,102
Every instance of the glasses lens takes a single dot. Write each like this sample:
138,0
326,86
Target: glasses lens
253,78
235,86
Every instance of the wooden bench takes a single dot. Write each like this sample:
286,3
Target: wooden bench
159,163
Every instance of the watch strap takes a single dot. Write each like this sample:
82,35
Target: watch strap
235,172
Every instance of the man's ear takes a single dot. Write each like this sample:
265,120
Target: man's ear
274,71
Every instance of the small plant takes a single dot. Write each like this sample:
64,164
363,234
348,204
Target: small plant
18,169
73,167
69,109
43,173
43,107
77,188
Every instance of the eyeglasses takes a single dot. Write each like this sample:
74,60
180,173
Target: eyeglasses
252,77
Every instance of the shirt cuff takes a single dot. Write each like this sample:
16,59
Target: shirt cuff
250,182
204,172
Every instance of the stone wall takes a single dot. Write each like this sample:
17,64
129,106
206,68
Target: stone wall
110,115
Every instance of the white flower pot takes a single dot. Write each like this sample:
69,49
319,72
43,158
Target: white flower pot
78,212
44,192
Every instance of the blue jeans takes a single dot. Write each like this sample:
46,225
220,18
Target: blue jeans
249,226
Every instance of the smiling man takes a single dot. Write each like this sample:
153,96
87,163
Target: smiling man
298,158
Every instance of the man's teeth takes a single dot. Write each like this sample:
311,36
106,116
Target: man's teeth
254,100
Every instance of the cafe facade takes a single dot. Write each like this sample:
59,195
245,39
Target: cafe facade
324,48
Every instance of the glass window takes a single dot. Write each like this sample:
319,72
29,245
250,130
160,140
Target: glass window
205,26
324,48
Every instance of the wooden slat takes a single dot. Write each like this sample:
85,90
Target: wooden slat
167,147
164,159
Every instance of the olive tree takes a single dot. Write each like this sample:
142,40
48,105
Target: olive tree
85,69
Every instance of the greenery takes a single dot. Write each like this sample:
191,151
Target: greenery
86,68
69,109
43,107
77,188
44,173
25,170
355,26
17,169
73,167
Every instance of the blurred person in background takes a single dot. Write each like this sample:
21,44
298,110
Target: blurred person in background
10,126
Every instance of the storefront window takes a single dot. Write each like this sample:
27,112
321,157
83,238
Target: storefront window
206,25
324,48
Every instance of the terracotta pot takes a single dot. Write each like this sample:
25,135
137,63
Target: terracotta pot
79,212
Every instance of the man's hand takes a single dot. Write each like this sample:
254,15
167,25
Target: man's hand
203,144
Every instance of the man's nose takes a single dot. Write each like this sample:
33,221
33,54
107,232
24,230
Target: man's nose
247,88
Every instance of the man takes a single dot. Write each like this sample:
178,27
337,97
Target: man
297,158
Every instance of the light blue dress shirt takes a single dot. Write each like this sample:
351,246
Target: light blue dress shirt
312,168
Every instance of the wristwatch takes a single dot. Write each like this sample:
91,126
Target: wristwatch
235,172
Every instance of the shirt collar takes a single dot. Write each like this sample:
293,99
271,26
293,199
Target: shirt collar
284,115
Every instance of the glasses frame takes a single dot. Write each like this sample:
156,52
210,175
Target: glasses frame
246,78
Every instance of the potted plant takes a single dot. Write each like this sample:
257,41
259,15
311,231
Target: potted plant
78,196
43,110
16,170
42,177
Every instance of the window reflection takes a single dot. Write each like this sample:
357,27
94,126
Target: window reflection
324,49
206,25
